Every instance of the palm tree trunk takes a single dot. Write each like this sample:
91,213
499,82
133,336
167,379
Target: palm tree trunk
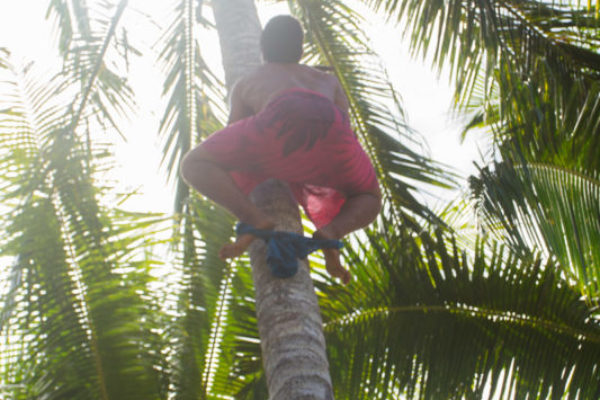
239,30
289,319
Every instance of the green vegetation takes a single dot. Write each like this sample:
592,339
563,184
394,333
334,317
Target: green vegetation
504,306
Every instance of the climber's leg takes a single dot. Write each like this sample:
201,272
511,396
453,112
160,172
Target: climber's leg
201,171
357,212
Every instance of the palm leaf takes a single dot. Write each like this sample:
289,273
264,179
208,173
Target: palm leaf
533,129
239,373
193,92
541,56
45,315
4,53
203,295
445,324
452,326
88,40
550,208
560,31
203,285
79,301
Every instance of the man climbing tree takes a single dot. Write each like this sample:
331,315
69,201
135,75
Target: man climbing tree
290,122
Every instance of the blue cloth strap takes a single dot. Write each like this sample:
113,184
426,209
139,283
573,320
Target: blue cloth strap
285,248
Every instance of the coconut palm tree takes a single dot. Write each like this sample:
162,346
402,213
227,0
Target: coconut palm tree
67,333
240,52
503,28
425,317
288,317
380,365
533,79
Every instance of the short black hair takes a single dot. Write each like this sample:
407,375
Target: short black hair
281,40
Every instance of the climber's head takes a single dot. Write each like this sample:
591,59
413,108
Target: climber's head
281,40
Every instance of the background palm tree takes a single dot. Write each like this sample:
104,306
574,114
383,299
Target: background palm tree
511,312
68,334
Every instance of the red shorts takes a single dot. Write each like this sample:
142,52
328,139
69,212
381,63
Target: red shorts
301,138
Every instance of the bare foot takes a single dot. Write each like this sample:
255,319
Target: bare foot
332,259
237,248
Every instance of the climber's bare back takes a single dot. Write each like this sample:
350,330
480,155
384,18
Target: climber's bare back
253,92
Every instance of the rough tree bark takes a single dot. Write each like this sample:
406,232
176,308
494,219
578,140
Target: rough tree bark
289,319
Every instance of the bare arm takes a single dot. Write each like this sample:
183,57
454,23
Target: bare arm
238,108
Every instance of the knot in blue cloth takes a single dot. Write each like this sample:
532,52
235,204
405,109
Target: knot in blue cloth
285,248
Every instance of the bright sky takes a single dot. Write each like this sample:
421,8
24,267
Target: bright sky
426,98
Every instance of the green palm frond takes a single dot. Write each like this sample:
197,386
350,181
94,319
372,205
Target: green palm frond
458,32
334,38
550,208
88,40
549,48
460,216
481,105
453,326
203,293
195,95
67,26
446,325
80,301
204,297
533,129
45,314
30,112
194,91
240,373
90,336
